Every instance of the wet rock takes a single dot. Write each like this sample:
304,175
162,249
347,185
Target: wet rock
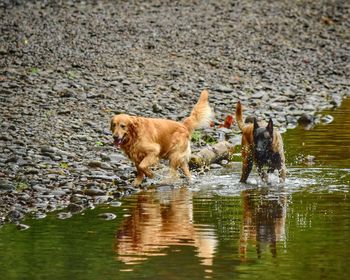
115,203
102,199
22,227
14,216
39,215
64,215
75,208
78,198
215,166
310,160
327,119
306,121
107,216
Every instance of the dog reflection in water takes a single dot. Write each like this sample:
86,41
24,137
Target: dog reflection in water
263,222
160,220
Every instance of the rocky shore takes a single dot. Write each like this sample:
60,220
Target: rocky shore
67,66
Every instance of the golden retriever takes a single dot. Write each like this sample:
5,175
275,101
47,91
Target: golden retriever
146,140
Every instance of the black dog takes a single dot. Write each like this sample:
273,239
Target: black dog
261,144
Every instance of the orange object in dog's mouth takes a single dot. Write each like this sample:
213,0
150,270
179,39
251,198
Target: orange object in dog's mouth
118,141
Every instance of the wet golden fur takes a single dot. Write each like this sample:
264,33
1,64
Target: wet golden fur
146,140
247,149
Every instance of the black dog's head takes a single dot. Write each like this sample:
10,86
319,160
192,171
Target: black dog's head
263,137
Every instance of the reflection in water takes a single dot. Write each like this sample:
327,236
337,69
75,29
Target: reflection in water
161,220
264,221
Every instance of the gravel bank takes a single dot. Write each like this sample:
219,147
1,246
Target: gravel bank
67,67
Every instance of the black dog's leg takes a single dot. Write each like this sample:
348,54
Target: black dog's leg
262,173
246,168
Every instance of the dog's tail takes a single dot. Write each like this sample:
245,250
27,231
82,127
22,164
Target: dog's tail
201,114
239,116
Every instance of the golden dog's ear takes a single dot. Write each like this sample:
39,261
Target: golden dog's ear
112,125
132,126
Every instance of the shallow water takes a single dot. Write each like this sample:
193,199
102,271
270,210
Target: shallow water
216,228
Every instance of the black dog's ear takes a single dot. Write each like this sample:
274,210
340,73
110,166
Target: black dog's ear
269,127
256,125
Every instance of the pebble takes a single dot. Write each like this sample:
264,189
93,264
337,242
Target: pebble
222,88
327,119
107,216
75,208
94,192
64,215
22,227
14,216
115,203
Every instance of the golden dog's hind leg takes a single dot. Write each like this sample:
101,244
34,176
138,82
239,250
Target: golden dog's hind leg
174,165
186,170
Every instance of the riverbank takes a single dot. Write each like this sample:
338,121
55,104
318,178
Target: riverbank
67,68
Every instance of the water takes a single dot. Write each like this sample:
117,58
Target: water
215,229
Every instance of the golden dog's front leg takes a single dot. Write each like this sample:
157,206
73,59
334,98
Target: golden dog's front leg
146,163
139,178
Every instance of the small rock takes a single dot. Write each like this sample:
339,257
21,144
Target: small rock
215,166
64,215
39,215
14,216
310,160
22,227
94,192
258,95
221,88
156,108
75,208
95,164
306,121
115,203
107,216
6,185
327,119
47,150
